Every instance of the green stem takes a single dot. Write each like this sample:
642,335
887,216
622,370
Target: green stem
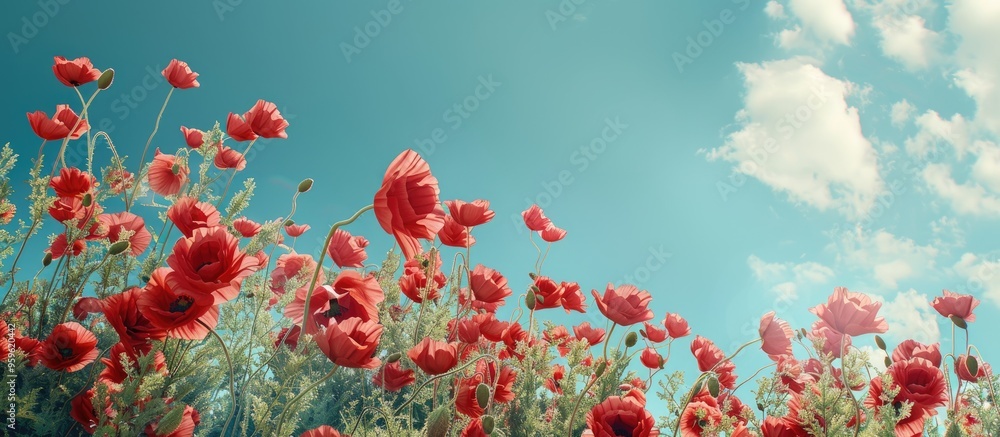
80,119
232,377
142,159
281,418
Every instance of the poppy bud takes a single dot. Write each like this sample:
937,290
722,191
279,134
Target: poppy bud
393,358
713,386
175,169
888,361
144,278
483,395
879,342
631,339
118,247
107,77
601,367
532,276
289,222
760,406
305,185
958,321
529,300
439,422
47,259
87,200
973,365
488,424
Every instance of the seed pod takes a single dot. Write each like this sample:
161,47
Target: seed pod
88,200
488,424
888,361
529,301
483,395
958,321
532,276
439,422
305,185
47,259
119,247
601,367
713,386
393,358
631,339
973,365
879,342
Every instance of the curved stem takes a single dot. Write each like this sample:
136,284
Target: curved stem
83,116
232,384
847,386
142,159
284,411
319,262
443,375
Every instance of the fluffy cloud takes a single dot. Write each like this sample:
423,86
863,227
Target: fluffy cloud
908,40
827,20
799,136
967,197
883,256
974,22
910,315
785,278
981,276
901,112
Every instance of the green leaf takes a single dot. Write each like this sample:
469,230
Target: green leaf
171,420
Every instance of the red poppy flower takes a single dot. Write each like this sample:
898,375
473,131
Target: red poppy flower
831,342
474,429
392,377
115,373
491,328
238,129
119,180
351,343
472,213
710,357
776,336
552,234
781,427
502,383
489,288
265,120
323,431
914,349
246,227
73,182
455,235
414,282
60,247
166,175
346,250
113,225
170,304
697,416
291,266
434,357
407,204
228,158
651,359
189,420
617,416
513,337
30,347
955,304
851,313
122,313
593,336
83,412
76,72
558,374
179,75
548,294
350,295
962,369
535,219
625,305
288,337
295,231
211,262
69,347
918,382
7,211
193,137
654,333
188,214
58,127
573,298
64,209
676,326
733,407
85,306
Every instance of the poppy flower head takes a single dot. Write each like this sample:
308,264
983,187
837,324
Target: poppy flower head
323,431
676,326
179,75
654,333
535,219
548,294
69,347
346,250
434,357
552,233
573,298
914,349
584,331
295,230
455,235
829,340
171,305
194,138
73,182
776,335
238,129
625,305
489,288
211,262
188,214
351,343
617,416
246,227
167,174
955,304
407,204
75,72
422,277
228,158
851,313
265,120
470,214
393,377
113,226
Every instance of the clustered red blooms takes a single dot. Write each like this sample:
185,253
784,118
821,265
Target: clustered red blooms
206,267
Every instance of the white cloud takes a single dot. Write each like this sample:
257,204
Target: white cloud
981,275
934,131
901,112
785,278
828,20
886,258
965,198
876,357
774,9
907,40
910,315
974,22
799,136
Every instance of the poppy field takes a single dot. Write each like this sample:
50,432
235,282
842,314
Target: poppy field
161,309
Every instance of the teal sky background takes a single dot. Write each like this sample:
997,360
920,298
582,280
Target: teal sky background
890,225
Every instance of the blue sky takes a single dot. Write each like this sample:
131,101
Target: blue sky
774,150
